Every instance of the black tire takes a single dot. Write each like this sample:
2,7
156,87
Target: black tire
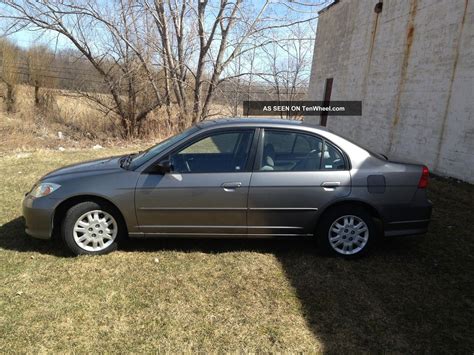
331,216
75,212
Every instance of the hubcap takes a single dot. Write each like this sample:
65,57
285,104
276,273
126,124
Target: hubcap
348,235
95,230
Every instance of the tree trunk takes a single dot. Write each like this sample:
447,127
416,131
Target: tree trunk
37,89
10,99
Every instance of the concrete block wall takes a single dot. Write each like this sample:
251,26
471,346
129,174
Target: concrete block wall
412,66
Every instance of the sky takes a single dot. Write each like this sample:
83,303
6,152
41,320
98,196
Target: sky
26,38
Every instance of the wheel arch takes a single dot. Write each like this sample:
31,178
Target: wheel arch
64,206
374,212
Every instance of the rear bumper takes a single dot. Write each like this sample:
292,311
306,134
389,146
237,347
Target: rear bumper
38,214
401,228
415,220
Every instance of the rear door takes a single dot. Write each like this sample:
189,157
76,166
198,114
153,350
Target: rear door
295,175
206,192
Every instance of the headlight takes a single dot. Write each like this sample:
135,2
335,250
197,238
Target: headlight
44,189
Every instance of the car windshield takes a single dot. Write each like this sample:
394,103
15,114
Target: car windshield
151,152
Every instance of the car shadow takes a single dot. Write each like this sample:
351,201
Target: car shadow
379,302
13,237
392,299
215,245
349,305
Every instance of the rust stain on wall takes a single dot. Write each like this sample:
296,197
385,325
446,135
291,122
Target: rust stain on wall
365,82
410,34
450,89
373,36
406,57
372,40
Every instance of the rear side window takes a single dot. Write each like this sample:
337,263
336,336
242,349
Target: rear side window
332,158
282,142
302,144
290,151
294,151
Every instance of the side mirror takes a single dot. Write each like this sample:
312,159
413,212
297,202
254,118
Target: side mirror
162,167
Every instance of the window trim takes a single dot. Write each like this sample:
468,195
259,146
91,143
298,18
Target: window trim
208,133
259,153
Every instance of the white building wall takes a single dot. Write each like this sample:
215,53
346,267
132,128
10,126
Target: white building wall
412,66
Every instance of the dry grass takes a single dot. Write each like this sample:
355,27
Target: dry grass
81,124
410,295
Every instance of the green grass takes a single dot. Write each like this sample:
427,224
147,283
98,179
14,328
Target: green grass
411,294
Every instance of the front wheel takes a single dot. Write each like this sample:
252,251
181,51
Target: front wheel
346,231
91,228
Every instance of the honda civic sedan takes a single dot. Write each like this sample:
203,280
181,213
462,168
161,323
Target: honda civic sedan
234,177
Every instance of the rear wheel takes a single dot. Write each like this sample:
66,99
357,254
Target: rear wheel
91,228
348,231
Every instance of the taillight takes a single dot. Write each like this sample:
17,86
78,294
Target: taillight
425,175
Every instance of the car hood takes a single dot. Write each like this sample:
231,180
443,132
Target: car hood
99,165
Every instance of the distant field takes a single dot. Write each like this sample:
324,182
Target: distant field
74,122
410,295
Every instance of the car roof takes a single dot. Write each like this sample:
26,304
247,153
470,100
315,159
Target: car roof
253,121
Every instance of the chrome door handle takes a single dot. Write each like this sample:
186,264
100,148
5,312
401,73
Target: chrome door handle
330,185
229,186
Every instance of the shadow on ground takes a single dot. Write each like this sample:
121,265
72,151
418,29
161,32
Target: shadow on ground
403,297
13,237
406,296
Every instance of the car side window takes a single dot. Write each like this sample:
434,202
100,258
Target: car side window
218,152
332,158
220,143
302,144
290,151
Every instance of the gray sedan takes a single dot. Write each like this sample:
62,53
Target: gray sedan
234,177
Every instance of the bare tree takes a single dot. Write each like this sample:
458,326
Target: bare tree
105,36
9,74
218,32
240,84
154,53
39,59
288,61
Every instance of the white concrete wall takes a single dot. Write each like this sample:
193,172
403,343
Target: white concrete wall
412,66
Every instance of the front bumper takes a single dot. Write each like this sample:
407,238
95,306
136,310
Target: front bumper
38,214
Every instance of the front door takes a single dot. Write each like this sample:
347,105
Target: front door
296,174
206,192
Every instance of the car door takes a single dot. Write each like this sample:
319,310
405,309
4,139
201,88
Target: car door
295,175
205,193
